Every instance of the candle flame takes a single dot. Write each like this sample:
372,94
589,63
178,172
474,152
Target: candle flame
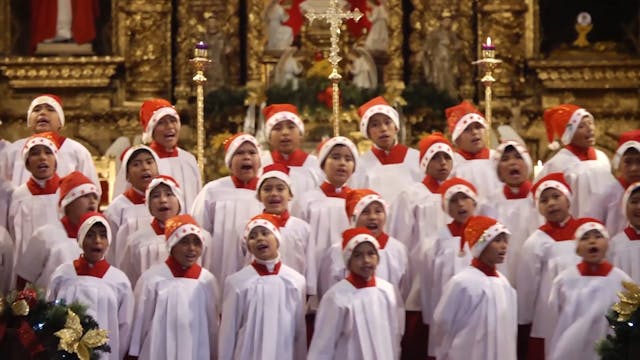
488,40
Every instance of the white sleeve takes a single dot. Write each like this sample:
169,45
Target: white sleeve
328,328
528,277
232,311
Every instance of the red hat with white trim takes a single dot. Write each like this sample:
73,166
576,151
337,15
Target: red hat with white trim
87,220
587,224
73,186
275,170
462,115
455,185
179,226
325,147
562,121
128,153
265,220
45,139
627,140
358,199
551,181
232,143
627,194
151,112
354,237
377,105
480,231
276,113
431,145
521,149
171,183
48,99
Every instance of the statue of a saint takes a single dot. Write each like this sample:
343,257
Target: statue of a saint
378,36
218,50
279,36
63,21
440,54
363,69
288,69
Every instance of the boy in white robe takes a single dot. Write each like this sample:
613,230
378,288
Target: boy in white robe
547,252
263,305
388,167
476,317
224,205
102,288
360,317
284,130
177,302
625,249
581,296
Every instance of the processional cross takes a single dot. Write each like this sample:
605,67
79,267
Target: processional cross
334,16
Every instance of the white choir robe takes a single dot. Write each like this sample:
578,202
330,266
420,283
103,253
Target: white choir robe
224,210
71,156
588,179
48,248
578,305
386,180
358,324
124,218
541,260
109,300
295,249
476,318
6,192
625,254
7,277
480,172
607,207
28,212
175,318
303,178
263,316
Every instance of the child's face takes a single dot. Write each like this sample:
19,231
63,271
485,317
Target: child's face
461,207
78,207
166,132
633,209
285,137
553,205
275,196
163,203
512,170
245,162
382,131
440,166
585,134
187,251
95,243
373,217
262,243
472,138
496,251
592,247
41,162
44,117
629,167
364,260
339,165
141,169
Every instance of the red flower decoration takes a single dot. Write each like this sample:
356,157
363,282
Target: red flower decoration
29,295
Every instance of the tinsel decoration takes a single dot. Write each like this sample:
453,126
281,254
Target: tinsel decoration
624,319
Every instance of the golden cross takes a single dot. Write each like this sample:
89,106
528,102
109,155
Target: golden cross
334,16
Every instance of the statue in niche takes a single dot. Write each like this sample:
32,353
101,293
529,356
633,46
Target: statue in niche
63,21
378,36
440,55
219,49
279,36
363,69
288,69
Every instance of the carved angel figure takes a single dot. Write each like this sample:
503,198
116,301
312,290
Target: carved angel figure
288,69
363,69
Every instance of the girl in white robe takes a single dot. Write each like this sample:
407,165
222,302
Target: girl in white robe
624,250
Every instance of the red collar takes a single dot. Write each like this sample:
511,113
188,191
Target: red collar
383,238
296,158
250,185
561,232
84,268
71,229
134,196
50,186
59,139
431,183
192,272
283,217
486,269
457,229
331,191
523,191
157,227
482,154
582,153
394,156
632,234
262,270
623,182
162,152
601,269
359,282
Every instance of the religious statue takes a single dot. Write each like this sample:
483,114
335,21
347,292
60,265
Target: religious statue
288,69
279,36
440,54
378,36
63,21
363,69
218,50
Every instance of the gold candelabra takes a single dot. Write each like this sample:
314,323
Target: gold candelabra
199,62
488,63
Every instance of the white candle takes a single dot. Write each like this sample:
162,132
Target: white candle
537,169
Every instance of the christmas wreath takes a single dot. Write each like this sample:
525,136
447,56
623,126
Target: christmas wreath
624,319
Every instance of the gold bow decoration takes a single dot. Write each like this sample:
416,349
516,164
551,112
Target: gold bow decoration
72,340
629,301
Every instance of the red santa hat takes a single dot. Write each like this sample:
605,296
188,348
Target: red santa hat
151,112
354,237
358,199
431,145
276,113
275,170
48,99
377,105
268,221
73,186
46,139
171,183
455,185
551,181
627,140
627,194
87,221
462,115
324,148
128,153
562,121
179,226
587,224
521,149
232,143
480,231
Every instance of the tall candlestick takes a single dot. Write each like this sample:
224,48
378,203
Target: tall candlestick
488,63
200,62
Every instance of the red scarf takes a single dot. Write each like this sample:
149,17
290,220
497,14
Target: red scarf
162,152
296,158
250,185
457,229
482,154
50,186
394,156
582,153
559,232
432,184
192,272
157,227
601,269
59,139
71,229
486,269
262,269
84,268
383,238
282,217
359,282
623,182
632,234
523,191
331,191
134,196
